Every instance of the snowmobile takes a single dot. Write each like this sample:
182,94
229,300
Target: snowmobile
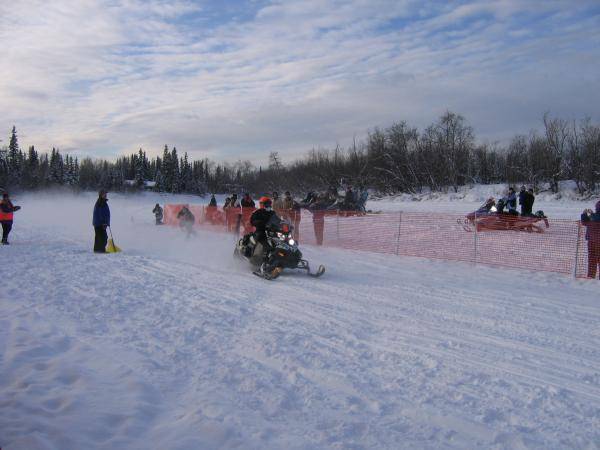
491,217
283,252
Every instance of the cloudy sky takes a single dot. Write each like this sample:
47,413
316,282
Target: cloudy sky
238,79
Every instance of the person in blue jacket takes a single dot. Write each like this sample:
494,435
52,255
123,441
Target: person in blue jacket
591,221
511,202
101,221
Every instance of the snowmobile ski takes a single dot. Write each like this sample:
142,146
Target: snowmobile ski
268,274
320,271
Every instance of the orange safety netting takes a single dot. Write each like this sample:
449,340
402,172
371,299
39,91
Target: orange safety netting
541,244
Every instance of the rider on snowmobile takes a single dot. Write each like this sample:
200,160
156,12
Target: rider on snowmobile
259,220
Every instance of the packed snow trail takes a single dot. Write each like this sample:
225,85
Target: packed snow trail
173,344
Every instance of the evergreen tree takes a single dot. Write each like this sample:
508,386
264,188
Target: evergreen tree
160,182
3,166
186,175
14,160
167,170
71,175
176,174
56,170
31,170
140,165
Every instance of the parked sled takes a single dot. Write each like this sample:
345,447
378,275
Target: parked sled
488,218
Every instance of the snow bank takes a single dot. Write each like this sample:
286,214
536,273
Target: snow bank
565,204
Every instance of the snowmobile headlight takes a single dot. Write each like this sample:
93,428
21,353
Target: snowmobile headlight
292,242
493,209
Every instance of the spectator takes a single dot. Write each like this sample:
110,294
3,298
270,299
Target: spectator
501,205
523,200
101,221
278,203
213,201
591,221
317,208
158,214
362,199
247,201
349,199
511,202
308,199
294,213
287,203
331,194
232,215
227,203
527,208
6,216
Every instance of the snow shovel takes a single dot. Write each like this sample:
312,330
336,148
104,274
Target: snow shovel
111,247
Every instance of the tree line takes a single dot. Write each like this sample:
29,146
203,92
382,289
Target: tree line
401,158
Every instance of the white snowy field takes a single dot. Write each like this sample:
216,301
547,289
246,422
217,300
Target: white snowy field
173,345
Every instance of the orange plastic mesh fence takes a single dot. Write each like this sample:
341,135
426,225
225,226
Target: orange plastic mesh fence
170,213
532,243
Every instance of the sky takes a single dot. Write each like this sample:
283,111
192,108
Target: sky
233,80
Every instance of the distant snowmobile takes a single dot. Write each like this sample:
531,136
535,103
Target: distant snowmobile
489,217
283,252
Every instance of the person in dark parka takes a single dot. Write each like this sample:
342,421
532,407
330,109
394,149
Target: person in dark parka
158,214
101,222
529,201
247,201
6,216
259,220
523,200
591,221
526,200
261,217
186,220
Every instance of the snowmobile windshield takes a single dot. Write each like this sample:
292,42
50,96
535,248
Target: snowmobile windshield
274,222
279,225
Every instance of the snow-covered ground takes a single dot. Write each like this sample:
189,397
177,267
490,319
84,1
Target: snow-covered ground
173,345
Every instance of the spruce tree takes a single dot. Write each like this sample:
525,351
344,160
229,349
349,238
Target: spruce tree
176,183
31,172
15,158
56,172
167,170
139,169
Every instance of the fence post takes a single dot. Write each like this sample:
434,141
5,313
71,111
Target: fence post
577,249
399,228
475,237
337,224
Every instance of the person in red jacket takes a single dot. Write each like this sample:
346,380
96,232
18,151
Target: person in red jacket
6,216
591,221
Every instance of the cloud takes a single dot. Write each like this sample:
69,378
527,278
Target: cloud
106,77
